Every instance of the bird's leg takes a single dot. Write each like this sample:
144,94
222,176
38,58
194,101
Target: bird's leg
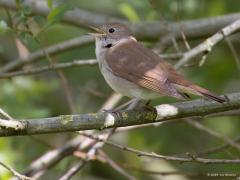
135,102
147,105
140,105
148,102
126,105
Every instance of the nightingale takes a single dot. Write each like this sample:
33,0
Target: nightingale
135,71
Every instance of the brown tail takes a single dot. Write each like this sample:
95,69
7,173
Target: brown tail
197,90
208,94
214,97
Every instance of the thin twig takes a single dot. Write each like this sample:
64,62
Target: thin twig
188,174
217,149
233,50
63,79
187,45
5,115
54,67
15,173
167,158
185,41
209,43
117,167
73,170
168,29
173,56
74,63
111,101
67,91
51,50
38,167
213,133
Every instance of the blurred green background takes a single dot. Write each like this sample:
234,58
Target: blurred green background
42,95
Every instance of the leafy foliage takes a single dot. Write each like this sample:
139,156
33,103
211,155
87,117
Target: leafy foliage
56,14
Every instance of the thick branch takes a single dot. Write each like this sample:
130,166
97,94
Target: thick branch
152,30
102,120
144,30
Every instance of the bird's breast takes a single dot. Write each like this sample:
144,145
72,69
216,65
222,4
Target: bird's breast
124,86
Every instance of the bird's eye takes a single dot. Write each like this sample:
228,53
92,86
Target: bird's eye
111,30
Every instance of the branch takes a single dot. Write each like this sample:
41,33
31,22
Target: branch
218,148
213,133
208,44
54,49
94,146
234,52
77,16
15,173
48,160
51,50
5,115
102,120
192,29
168,158
192,175
52,157
116,166
144,30
54,67
16,125
73,170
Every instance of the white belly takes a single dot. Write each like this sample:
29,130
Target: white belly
126,87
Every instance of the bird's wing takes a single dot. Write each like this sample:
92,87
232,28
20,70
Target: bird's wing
148,70
151,72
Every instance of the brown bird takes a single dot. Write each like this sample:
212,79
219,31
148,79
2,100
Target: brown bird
136,71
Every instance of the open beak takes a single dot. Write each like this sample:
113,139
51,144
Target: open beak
98,32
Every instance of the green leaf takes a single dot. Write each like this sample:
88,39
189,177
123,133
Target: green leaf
18,3
50,4
26,10
56,14
3,27
25,37
40,20
128,11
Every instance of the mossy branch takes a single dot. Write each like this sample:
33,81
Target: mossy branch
102,120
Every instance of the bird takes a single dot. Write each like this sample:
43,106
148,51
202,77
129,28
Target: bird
137,72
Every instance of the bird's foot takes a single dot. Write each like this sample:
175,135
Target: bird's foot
149,107
113,111
145,106
131,105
